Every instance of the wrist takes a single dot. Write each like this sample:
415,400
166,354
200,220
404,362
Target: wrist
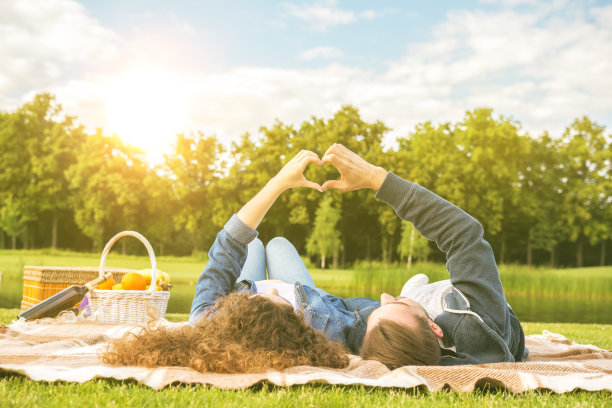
276,186
378,177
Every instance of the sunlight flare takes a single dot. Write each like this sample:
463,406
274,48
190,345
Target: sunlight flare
147,107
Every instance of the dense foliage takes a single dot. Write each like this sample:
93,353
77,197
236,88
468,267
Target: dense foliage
541,199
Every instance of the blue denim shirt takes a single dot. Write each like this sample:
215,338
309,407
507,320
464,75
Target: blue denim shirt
341,320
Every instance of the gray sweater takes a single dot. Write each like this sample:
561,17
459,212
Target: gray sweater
477,320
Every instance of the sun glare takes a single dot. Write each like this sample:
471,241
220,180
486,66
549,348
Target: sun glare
147,108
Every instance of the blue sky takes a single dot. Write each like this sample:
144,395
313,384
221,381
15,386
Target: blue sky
227,67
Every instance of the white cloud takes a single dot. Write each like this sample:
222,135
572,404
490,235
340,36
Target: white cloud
320,52
324,14
544,69
40,39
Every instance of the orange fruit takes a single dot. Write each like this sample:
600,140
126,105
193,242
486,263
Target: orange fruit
117,287
107,284
133,281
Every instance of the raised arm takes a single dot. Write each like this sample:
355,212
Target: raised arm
229,251
470,259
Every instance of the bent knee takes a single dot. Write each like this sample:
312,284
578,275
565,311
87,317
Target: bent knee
278,244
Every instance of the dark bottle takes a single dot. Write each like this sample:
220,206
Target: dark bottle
63,300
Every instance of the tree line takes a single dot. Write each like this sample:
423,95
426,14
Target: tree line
541,198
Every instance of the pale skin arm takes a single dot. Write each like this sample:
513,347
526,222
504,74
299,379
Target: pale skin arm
355,172
290,176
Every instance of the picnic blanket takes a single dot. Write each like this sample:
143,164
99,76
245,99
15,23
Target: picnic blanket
48,350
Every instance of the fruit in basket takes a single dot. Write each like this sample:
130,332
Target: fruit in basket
133,281
107,284
117,287
161,276
156,288
165,277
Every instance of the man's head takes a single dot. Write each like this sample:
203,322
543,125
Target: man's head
401,333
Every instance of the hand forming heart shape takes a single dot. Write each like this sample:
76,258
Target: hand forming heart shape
355,172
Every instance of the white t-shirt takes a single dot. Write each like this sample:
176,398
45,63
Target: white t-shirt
430,296
285,290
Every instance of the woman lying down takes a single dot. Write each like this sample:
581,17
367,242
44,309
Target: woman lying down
239,322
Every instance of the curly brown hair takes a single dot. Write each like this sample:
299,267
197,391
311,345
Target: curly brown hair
242,333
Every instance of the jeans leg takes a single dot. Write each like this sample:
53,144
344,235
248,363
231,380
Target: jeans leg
284,263
254,268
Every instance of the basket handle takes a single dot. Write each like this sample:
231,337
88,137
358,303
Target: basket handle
144,241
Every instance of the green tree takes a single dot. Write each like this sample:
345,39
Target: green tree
106,187
195,167
541,194
325,238
38,145
161,204
12,219
491,184
586,194
412,244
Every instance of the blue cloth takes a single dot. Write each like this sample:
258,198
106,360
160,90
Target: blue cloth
342,321
281,260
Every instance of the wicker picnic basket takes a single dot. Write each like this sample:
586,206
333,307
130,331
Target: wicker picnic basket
129,306
42,282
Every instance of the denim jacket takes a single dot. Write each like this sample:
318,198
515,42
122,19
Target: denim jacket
341,320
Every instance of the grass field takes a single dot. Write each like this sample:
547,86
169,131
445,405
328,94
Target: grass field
587,283
17,391
374,277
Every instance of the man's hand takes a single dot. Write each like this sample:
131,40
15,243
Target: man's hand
292,174
355,172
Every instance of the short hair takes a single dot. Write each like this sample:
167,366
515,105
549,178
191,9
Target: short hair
396,345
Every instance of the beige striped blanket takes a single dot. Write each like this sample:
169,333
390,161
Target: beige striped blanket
50,351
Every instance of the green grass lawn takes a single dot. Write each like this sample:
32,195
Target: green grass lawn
17,391
591,283
374,277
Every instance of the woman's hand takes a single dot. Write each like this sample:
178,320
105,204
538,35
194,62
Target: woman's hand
292,174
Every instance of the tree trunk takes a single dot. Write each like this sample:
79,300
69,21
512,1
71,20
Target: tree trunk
602,254
368,248
161,249
54,233
502,252
343,252
553,257
335,259
384,251
411,249
13,242
390,249
529,249
322,260
579,255
2,239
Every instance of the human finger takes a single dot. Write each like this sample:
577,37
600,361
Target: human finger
331,149
306,160
330,158
312,184
333,185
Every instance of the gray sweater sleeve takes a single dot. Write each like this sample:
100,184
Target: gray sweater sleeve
470,259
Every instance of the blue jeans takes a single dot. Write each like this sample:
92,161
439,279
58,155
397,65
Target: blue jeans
280,258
